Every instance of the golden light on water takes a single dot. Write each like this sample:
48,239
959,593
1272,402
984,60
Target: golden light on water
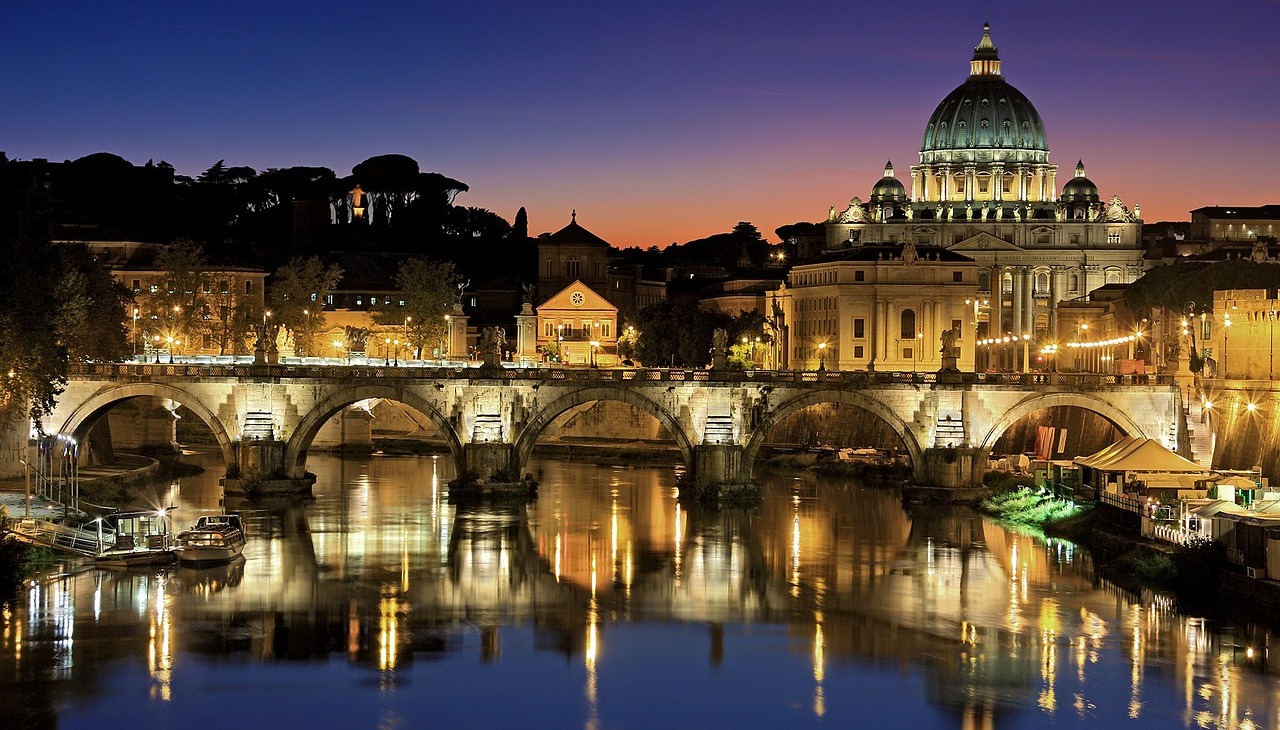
388,630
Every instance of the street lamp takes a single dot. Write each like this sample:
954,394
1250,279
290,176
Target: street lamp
407,319
822,356
169,341
337,349
1026,353
594,344
915,354
134,333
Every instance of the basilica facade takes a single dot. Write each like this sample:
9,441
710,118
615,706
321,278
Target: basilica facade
984,189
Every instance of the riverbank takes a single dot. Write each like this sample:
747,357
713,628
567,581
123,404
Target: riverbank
1199,576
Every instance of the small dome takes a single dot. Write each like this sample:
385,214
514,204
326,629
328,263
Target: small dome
889,189
1080,189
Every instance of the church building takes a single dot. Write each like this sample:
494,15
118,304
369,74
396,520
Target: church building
985,191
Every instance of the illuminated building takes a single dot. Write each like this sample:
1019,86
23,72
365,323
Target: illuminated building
984,188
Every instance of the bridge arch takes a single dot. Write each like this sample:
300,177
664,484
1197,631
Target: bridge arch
295,454
844,397
1039,401
88,411
544,415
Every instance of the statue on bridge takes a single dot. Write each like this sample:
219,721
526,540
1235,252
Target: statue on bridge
266,348
950,349
491,341
719,340
357,339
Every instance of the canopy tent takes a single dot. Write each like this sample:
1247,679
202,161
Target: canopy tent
1107,452
1140,455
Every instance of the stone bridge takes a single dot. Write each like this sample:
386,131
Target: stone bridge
266,417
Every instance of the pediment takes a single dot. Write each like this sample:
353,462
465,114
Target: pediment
577,297
984,242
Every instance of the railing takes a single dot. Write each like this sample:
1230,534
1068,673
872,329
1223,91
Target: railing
1128,504
58,537
453,372
1170,532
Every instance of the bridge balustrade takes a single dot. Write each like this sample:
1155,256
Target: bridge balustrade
860,377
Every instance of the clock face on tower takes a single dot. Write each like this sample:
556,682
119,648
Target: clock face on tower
577,298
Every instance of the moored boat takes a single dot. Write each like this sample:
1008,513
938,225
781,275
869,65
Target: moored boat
212,539
135,539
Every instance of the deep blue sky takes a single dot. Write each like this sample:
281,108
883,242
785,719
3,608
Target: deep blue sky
658,121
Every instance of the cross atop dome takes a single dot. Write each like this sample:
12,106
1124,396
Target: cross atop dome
986,58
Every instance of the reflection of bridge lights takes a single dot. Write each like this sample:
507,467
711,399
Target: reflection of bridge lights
388,631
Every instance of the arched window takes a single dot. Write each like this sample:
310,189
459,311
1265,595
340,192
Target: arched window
984,281
1073,283
1113,276
571,267
1006,283
908,324
1042,282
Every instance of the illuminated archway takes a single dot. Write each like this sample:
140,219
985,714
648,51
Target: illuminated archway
295,455
539,421
852,398
1116,416
95,406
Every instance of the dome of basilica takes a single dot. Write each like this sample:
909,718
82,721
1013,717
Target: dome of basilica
1080,189
889,189
985,112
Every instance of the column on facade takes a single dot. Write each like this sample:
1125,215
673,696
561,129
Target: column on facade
970,182
1022,182
1015,321
1029,302
915,184
997,182
1055,296
944,191
997,298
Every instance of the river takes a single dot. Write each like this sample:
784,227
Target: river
605,604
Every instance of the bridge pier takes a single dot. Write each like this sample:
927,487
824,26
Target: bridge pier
958,469
260,469
491,461
719,464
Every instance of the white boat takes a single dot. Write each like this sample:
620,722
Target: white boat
212,539
135,539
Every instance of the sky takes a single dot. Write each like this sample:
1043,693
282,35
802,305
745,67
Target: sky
658,122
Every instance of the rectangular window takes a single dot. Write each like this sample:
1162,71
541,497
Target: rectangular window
1113,238
154,288
328,299
859,275
224,287
206,287
248,287
957,276
137,285
955,325
859,328
908,353
857,351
